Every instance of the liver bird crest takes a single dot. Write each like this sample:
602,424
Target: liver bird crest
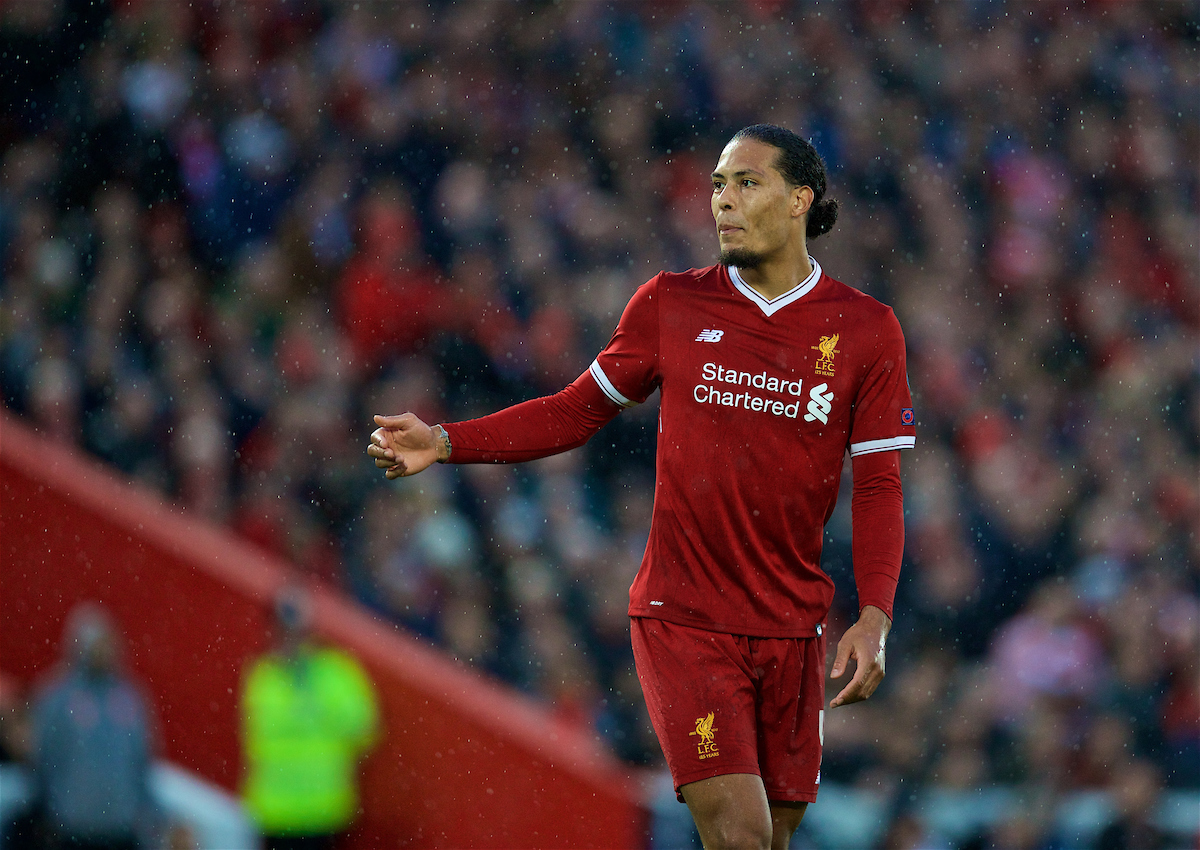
704,728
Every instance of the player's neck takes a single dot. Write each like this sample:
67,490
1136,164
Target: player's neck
777,275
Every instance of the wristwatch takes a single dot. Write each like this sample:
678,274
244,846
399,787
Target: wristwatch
439,433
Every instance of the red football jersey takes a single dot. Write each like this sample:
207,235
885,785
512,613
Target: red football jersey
760,402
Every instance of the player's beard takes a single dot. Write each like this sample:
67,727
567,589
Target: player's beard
743,258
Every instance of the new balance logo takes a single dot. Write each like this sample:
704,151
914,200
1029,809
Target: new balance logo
710,336
820,405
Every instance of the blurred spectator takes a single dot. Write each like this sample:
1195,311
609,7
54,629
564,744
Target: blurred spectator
1137,790
389,267
93,743
308,716
1024,830
21,823
16,740
1044,656
907,832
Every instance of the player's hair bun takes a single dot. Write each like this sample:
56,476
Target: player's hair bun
821,217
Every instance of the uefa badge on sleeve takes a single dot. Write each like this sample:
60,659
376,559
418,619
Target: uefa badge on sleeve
906,416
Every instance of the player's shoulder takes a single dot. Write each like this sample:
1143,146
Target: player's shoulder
864,305
710,277
868,313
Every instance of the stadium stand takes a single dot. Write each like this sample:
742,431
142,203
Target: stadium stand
196,606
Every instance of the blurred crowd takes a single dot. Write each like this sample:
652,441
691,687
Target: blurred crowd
231,232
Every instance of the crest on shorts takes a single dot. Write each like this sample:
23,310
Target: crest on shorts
707,747
827,345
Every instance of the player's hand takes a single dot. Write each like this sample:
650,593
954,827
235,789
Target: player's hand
402,445
864,642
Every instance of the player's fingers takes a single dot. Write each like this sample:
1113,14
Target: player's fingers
844,651
398,420
872,675
379,452
852,692
866,679
845,697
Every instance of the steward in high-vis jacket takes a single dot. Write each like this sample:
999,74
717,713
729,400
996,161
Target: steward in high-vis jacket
309,714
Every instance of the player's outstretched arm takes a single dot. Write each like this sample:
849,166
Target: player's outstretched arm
404,445
864,642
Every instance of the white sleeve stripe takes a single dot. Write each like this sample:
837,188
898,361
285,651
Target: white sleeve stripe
872,446
606,386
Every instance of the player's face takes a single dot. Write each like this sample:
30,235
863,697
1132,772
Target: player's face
751,202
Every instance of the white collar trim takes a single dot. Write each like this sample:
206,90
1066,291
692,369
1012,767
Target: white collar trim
774,305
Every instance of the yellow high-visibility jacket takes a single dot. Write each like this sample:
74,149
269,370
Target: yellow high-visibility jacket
306,721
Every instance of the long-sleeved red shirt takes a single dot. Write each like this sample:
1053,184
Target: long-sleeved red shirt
761,400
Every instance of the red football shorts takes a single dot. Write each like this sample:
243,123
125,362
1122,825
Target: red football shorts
725,703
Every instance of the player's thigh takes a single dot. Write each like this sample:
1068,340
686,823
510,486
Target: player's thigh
701,697
730,810
790,711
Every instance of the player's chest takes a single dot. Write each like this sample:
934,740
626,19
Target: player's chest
730,358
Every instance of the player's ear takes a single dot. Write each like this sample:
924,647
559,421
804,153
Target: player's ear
802,199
